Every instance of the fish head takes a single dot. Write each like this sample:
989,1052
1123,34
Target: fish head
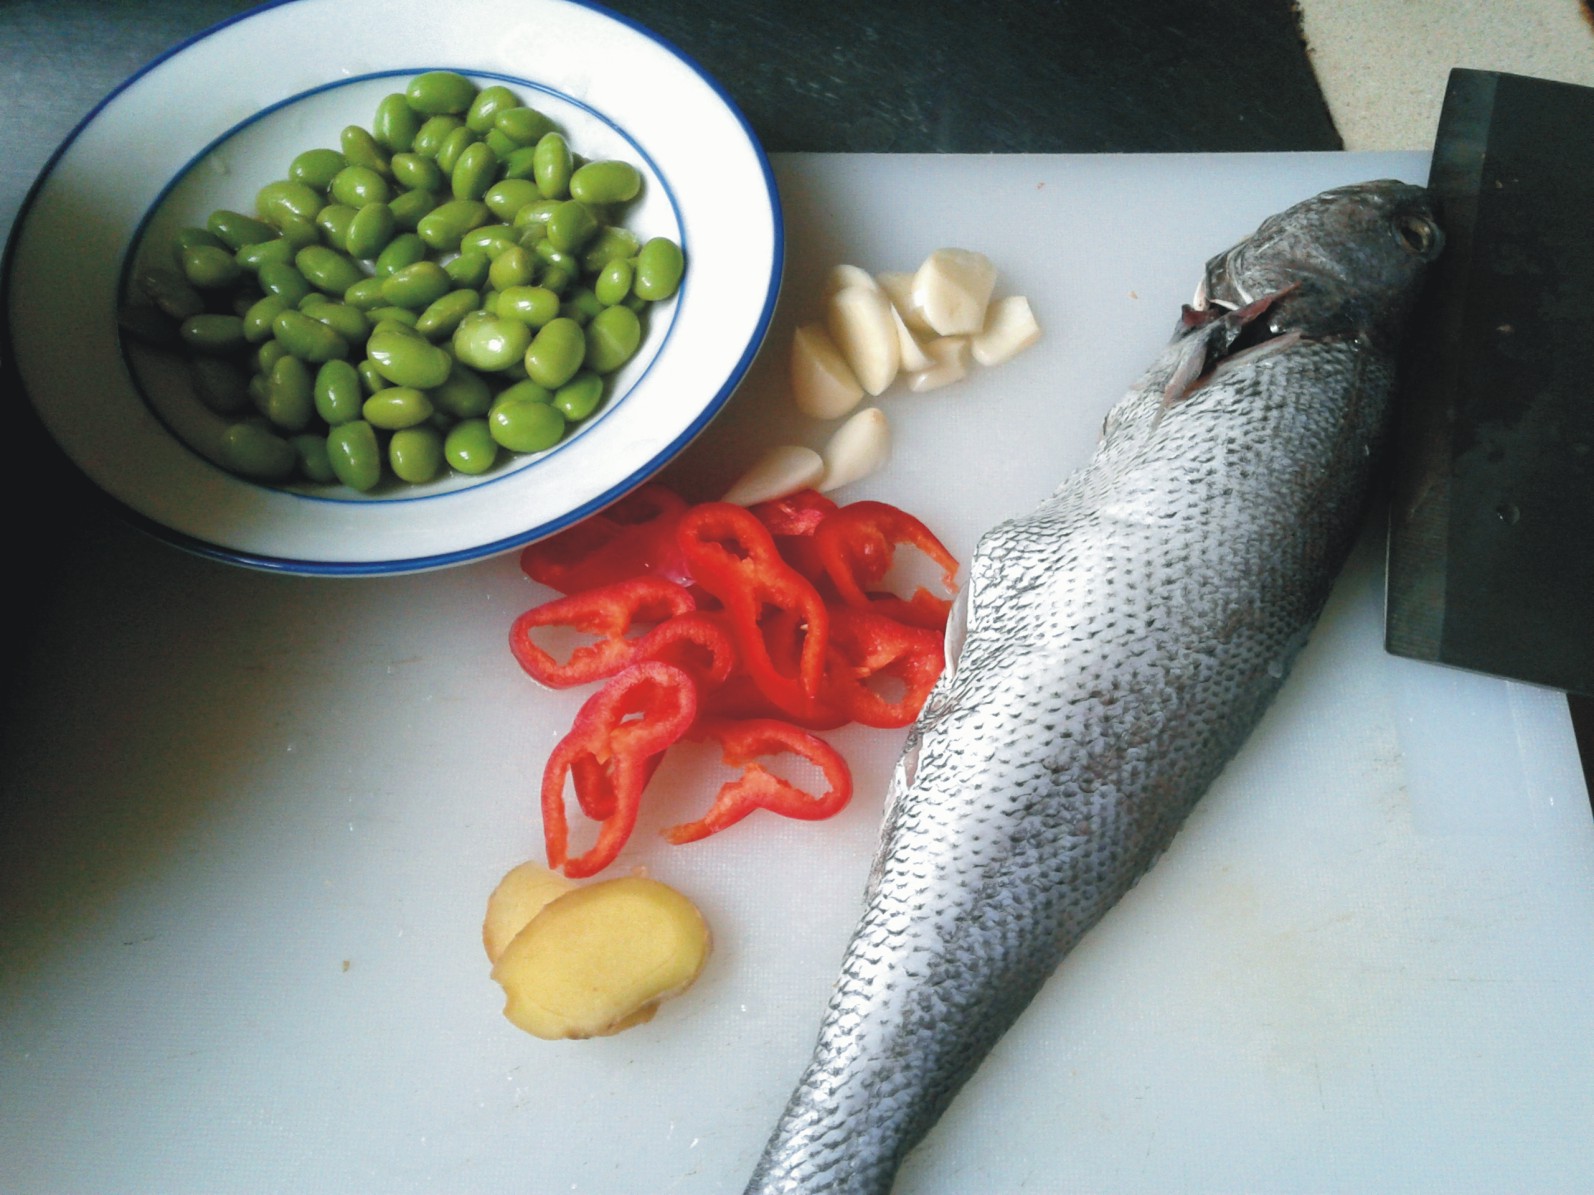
1347,262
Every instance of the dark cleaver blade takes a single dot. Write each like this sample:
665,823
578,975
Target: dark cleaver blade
1491,545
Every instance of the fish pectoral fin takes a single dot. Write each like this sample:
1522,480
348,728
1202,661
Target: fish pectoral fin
957,629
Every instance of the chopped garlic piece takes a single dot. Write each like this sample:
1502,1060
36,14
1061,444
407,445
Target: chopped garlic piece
822,382
859,447
913,355
952,288
899,289
860,322
1010,328
843,276
949,362
780,471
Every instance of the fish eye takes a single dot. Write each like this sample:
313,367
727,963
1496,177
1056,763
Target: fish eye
1418,235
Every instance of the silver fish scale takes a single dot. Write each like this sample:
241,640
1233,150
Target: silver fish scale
1121,643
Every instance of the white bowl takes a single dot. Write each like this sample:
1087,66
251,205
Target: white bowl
210,123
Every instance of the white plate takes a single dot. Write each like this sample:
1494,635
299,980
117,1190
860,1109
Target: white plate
210,123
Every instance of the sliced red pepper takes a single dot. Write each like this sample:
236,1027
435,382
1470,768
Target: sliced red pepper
634,535
611,611
792,521
777,618
611,751
866,646
742,745
856,546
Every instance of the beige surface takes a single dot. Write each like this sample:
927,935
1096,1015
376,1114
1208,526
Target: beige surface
1382,64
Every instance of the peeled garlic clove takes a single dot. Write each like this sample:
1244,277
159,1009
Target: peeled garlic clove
949,362
860,446
822,383
899,289
913,355
843,276
1010,328
780,471
952,288
859,321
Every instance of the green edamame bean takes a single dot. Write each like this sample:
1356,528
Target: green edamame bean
395,124
659,267
612,338
187,238
406,359
525,390
276,202
555,353
454,145
440,92
396,407
403,250
581,304
370,231
308,338
606,182
499,143
316,167
211,333
393,318
257,320
313,462
523,425
612,243
464,394
415,454
416,286
371,379
579,397
533,306
475,170
443,226
171,292
252,257
570,226
521,163
220,384
337,392
348,322
354,454
356,186
409,207
523,126
235,230
489,342
551,166
433,132
365,294
284,281
329,271
558,277
512,267
489,240
613,283
468,270
412,170
290,396
470,448
299,231
443,315
210,268
507,196
362,149
266,358
333,221
251,451
486,105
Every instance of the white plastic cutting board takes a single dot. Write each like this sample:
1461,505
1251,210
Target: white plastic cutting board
251,822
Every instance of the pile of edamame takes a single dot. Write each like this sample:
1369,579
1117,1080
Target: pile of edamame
448,285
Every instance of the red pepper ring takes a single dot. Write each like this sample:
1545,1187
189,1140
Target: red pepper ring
733,557
742,744
865,646
610,611
634,535
611,751
857,544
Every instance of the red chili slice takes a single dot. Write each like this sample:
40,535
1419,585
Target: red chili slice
856,545
610,753
610,611
633,536
865,647
742,745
